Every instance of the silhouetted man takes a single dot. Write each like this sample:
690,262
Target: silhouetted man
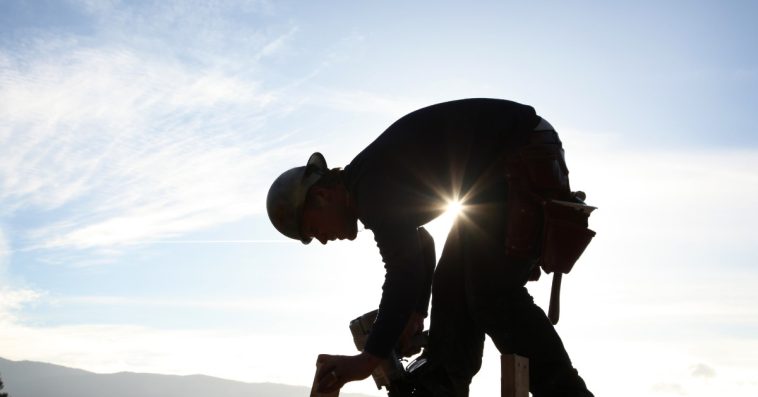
494,156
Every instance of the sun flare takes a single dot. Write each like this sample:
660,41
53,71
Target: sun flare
440,227
454,208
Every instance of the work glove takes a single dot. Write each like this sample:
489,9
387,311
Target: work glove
408,344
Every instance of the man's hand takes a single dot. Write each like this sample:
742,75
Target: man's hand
414,327
335,371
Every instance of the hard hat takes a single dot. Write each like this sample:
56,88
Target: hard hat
286,196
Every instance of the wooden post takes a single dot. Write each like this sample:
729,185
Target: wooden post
515,376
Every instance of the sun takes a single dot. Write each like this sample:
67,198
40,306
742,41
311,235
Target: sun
440,227
454,208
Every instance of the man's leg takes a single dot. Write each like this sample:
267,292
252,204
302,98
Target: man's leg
455,342
517,325
501,306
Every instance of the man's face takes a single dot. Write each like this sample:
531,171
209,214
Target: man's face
326,216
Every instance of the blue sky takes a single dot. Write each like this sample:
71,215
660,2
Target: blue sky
138,140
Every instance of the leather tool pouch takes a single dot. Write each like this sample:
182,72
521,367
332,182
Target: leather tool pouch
537,179
537,172
565,236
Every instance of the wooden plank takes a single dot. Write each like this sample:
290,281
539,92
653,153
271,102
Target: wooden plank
514,376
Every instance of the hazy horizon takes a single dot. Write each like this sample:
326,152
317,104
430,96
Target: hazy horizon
37,379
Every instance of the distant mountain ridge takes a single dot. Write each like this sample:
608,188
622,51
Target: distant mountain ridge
36,379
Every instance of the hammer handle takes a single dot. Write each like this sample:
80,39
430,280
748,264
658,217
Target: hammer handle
554,312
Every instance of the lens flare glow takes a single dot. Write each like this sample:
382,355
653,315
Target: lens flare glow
440,227
454,208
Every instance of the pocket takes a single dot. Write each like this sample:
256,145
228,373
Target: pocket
566,236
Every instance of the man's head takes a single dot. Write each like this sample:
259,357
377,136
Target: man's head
311,201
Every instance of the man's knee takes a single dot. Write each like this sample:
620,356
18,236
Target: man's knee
500,311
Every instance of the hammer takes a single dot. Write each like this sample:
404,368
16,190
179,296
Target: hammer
554,311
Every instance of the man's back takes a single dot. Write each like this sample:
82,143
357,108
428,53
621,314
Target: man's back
425,158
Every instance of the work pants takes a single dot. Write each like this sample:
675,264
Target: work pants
478,290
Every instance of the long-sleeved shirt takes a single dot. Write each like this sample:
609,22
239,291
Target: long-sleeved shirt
407,176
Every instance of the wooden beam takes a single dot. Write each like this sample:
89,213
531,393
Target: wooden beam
514,376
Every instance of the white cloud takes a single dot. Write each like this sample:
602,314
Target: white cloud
169,193
12,300
4,256
259,305
145,147
703,371
277,44
182,17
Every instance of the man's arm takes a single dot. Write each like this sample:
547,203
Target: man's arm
404,286
400,247
415,324
429,261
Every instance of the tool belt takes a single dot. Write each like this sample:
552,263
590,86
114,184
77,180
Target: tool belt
546,220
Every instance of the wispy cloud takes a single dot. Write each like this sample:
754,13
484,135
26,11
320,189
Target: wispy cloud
118,142
277,44
5,253
702,371
136,149
150,149
196,25
279,305
12,299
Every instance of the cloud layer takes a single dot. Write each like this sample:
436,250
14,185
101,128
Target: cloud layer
122,149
